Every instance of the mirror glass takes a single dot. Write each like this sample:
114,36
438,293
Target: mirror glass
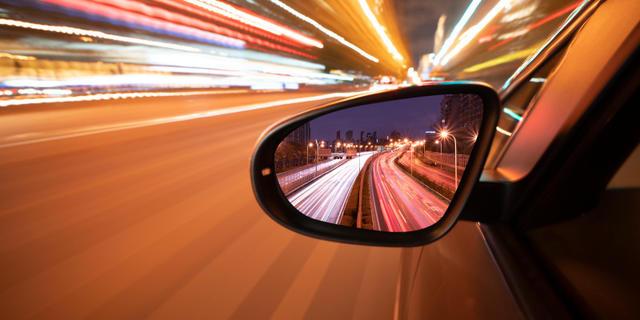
391,166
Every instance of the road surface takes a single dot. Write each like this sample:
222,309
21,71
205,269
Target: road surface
325,198
399,202
108,212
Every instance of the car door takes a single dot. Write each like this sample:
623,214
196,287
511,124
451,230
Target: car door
555,235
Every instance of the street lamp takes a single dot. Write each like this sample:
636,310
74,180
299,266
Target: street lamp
440,160
444,134
310,145
317,154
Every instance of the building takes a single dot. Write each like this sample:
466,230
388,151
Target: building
301,135
461,112
349,136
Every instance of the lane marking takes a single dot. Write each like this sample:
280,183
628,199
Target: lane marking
199,115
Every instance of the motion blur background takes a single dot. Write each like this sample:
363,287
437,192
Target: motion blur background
126,128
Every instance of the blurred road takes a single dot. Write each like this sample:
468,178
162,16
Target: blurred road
325,198
400,203
142,208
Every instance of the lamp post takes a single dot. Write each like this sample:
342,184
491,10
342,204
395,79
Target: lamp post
317,152
308,145
411,159
445,134
439,160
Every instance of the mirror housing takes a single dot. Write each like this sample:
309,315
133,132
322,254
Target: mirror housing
271,198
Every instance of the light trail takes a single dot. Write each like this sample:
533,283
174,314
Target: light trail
503,131
325,198
157,121
93,33
545,45
473,31
159,18
520,54
258,22
507,38
325,30
456,30
114,12
512,113
380,30
400,203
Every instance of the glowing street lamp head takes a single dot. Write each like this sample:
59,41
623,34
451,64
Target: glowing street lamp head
444,133
310,144
406,140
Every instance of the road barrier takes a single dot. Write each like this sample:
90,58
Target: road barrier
293,179
447,160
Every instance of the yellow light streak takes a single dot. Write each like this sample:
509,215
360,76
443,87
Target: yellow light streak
502,59
15,56
93,33
325,30
381,31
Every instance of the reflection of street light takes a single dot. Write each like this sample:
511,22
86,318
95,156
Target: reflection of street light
411,159
317,155
310,145
440,161
444,134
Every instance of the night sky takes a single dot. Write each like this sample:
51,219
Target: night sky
411,117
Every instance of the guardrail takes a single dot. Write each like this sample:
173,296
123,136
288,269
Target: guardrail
293,179
447,159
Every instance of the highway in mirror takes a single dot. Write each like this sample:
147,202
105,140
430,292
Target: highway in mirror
391,166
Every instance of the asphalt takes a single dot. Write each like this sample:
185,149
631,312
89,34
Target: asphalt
104,219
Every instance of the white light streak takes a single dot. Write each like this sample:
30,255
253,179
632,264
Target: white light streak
474,30
456,30
241,16
503,131
325,30
92,33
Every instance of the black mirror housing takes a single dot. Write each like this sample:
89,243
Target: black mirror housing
273,201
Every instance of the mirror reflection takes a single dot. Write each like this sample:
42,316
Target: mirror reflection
392,166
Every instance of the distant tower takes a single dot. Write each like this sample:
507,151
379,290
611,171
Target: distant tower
349,135
361,136
338,135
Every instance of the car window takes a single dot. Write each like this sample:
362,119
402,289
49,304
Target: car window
515,106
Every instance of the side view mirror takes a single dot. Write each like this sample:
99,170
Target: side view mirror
389,169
